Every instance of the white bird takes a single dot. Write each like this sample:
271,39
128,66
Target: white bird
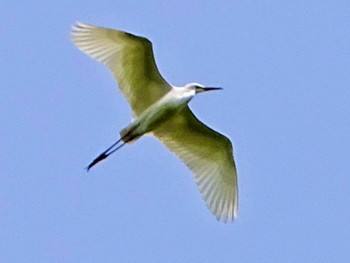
161,109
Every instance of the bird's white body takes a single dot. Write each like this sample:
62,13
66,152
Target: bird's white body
159,112
162,110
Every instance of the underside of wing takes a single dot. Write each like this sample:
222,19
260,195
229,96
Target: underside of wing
130,59
209,155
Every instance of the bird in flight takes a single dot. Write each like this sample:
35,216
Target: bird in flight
161,110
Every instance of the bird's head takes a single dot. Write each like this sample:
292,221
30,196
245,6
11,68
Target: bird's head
198,88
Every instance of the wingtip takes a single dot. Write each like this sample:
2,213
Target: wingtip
227,211
75,28
227,219
75,25
78,26
79,30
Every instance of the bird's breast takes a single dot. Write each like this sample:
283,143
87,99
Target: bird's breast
158,113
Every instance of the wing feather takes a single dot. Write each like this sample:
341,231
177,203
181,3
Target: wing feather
129,58
210,157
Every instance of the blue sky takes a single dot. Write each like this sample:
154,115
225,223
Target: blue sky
285,70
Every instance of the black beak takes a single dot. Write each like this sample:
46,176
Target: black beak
204,89
211,88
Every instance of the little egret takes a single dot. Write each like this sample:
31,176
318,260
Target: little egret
161,109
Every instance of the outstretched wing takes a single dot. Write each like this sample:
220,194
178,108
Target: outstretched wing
210,157
130,59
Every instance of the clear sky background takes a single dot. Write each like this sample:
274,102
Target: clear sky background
285,70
